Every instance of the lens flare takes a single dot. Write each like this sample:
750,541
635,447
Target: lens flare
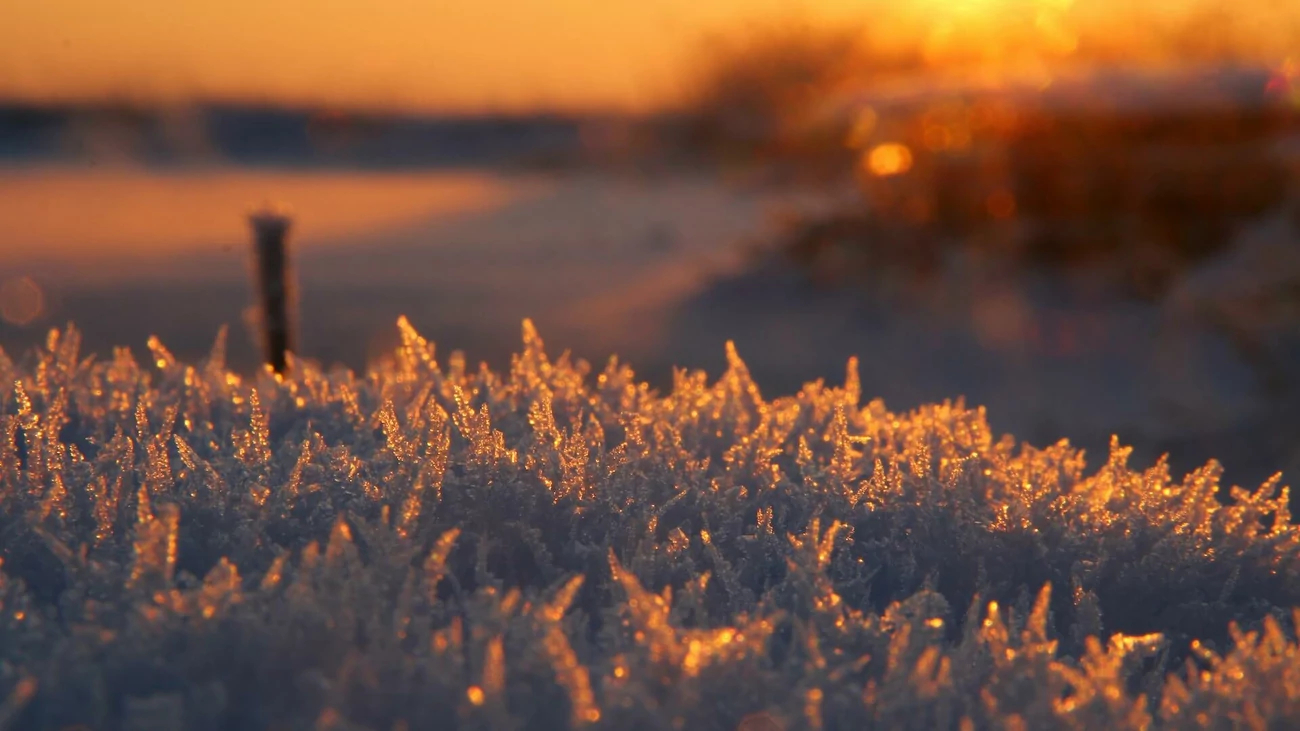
21,301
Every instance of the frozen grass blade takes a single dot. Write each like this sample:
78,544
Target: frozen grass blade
445,547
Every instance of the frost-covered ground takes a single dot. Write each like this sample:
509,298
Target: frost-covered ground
643,267
431,545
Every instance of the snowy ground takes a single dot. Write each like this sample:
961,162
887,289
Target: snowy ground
649,269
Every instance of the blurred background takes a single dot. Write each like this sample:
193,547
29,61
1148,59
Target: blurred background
1083,214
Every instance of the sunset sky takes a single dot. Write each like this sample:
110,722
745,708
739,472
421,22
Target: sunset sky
497,55
439,54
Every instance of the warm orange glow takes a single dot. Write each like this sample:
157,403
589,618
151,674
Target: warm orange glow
990,36
888,159
475,695
491,55
524,54
105,214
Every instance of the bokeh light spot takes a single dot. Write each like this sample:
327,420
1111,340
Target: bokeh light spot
21,301
888,159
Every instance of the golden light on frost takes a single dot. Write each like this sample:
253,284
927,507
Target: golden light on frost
888,159
21,301
940,452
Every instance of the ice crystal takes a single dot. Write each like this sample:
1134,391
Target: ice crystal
430,545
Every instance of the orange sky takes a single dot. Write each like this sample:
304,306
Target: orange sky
440,54
498,55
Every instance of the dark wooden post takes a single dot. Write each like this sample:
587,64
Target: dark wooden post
270,232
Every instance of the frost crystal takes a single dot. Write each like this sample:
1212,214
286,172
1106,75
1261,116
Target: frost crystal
442,547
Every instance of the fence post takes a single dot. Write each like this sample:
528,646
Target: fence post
270,231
